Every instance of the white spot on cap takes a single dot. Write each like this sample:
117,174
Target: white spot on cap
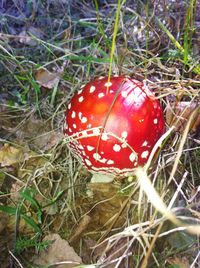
110,162
124,94
116,147
104,137
74,125
80,115
90,148
141,120
80,91
70,130
101,95
145,154
82,86
73,114
69,106
81,99
84,120
108,84
111,91
96,156
132,157
103,160
155,121
80,147
89,125
144,143
88,162
92,89
124,134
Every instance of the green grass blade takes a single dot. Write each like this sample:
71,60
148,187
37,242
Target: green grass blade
31,223
8,209
114,38
189,30
190,61
88,58
100,25
26,194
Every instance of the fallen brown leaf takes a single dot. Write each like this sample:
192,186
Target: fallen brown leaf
177,114
46,78
10,155
58,251
39,133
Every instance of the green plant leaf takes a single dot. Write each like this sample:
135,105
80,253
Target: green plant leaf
27,195
89,58
32,223
189,61
9,210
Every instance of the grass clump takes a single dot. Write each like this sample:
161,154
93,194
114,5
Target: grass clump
52,49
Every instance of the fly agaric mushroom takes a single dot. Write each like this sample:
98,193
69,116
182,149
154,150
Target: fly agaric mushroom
112,126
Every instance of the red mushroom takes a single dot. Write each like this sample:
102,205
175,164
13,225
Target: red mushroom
113,126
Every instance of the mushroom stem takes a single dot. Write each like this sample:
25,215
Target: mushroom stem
101,178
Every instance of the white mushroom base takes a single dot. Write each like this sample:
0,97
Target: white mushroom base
101,178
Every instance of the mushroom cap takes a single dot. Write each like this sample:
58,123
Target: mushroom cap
113,126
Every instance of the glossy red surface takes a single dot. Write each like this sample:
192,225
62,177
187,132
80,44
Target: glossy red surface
112,127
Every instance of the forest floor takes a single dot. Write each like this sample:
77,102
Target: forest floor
50,213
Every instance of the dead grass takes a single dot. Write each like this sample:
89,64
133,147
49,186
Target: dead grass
151,221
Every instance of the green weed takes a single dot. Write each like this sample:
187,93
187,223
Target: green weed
20,210
24,243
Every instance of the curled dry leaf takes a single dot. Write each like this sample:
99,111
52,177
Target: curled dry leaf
58,251
46,78
49,140
177,114
39,133
10,155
